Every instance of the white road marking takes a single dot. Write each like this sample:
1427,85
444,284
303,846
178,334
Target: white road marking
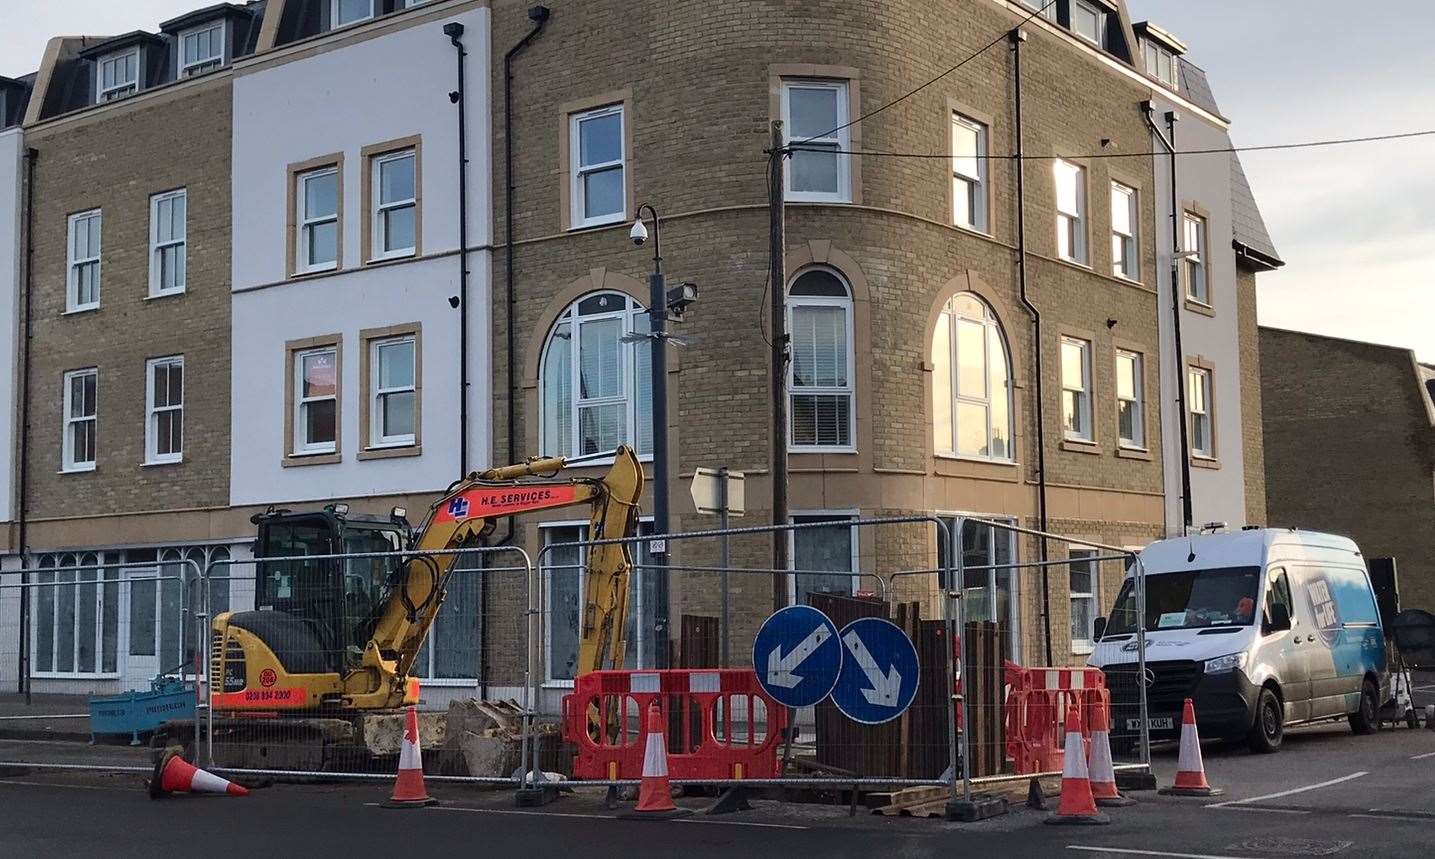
1129,852
740,823
1405,818
1290,792
1255,809
1422,757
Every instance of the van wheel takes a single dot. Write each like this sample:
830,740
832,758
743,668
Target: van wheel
1266,734
1364,720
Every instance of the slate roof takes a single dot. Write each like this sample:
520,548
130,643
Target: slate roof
1247,225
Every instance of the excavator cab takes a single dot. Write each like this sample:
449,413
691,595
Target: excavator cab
334,603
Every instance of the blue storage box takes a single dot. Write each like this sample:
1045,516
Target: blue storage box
168,699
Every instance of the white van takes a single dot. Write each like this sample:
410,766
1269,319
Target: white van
1263,629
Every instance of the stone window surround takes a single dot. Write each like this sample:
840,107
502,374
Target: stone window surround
1201,362
367,338
986,119
1090,445
1148,421
614,98
1207,308
369,156
291,349
293,173
777,73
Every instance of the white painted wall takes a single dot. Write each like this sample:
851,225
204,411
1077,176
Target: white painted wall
11,179
362,93
1218,495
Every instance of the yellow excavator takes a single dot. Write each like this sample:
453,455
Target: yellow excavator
338,637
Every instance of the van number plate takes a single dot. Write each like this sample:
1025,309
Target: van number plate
1164,723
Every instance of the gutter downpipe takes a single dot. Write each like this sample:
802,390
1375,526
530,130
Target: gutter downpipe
1168,140
23,537
539,15
1018,36
454,31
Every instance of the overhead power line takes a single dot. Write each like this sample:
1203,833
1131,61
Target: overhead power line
1271,147
896,101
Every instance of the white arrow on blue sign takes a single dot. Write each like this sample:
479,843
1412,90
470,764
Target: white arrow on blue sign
880,673
797,656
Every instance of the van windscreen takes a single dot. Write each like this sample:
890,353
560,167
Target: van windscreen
1190,600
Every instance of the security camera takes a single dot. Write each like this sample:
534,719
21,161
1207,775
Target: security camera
639,233
453,29
680,297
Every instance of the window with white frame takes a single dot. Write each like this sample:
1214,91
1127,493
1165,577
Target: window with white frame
1198,403
318,219
597,150
1130,399
168,242
316,407
596,385
1197,287
824,560
1076,389
75,626
991,584
819,378
1089,22
1085,592
969,173
345,12
971,382
393,414
1070,211
1160,63
118,75
201,50
813,115
1125,256
81,407
395,195
83,280
566,575
164,406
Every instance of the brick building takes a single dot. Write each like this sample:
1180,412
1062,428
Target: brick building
914,361
1350,448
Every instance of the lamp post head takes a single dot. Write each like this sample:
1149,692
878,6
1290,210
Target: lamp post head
639,233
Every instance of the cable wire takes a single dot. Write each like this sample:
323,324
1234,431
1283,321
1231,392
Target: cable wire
1270,147
896,101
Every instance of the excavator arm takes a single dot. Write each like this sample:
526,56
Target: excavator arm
468,511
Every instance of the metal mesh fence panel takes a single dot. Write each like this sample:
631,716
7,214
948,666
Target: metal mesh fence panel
97,660
315,668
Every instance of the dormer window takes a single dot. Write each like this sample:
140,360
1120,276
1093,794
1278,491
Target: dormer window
201,50
1161,63
342,13
119,75
1089,22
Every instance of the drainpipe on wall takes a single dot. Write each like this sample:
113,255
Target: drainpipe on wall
454,31
1018,36
22,513
1168,140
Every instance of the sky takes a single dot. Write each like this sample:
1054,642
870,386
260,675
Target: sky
1355,224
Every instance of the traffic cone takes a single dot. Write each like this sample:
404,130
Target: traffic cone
1077,806
1103,771
655,793
1190,770
174,774
409,790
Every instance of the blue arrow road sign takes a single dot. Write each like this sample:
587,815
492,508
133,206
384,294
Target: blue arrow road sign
880,674
797,656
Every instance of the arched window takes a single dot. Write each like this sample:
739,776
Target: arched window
819,380
971,382
595,388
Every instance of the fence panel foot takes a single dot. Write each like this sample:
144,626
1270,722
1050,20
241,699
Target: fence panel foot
979,807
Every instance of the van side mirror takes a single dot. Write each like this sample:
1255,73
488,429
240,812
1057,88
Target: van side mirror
1279,618
1098,628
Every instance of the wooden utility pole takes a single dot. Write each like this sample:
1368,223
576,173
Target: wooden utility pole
777,313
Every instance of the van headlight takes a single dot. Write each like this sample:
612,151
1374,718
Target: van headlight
1223,664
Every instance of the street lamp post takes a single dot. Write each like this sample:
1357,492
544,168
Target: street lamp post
657,337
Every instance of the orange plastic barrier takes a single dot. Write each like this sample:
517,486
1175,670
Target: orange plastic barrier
726,726
1036,705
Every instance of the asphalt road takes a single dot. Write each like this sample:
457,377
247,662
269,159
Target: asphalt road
1326,793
